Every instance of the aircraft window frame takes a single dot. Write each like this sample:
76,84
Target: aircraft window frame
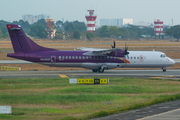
91,57
83,57
72,57
131,57
107,57
66,57
111,57
76,57
134,57
69,57
138,58
163,55
86,57
62,57
79,57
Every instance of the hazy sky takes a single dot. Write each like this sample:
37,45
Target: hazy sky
138,10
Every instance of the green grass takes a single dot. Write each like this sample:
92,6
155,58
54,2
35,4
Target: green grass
55,98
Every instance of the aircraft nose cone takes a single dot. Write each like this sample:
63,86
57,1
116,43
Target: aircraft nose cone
172,61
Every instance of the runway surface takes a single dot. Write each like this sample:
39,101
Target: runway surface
170,73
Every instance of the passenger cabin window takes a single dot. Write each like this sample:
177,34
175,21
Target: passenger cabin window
66,57
79,57
137,57
131,57
62,57
134,57
86,57
83,57
69,57
163,55
76,57
72,57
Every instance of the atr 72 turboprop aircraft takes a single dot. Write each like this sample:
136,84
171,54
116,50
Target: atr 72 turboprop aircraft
90,58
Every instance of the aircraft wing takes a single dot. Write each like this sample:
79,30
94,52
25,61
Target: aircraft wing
95,51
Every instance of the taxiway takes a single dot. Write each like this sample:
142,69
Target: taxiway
156,73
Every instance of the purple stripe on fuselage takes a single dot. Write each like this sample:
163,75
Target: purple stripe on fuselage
47,56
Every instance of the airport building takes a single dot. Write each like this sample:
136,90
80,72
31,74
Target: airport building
34,18
116,22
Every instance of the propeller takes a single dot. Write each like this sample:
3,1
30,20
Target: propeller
126,48
113,46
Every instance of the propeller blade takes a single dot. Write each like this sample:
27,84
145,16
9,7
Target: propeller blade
114,44
126,48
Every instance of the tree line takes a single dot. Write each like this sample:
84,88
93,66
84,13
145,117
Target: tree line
77,30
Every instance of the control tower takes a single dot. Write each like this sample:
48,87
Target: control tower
158,27
91,21
50,31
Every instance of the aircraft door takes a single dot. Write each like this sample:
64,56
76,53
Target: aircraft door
53,60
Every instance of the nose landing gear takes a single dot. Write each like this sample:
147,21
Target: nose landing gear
164,69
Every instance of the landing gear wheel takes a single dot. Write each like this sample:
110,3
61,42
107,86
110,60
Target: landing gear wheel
101,70
94,70
164,70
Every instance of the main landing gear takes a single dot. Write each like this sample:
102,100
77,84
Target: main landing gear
164,69
94,70
101,69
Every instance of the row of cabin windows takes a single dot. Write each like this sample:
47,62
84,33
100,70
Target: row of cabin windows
95,57
136,57
86,57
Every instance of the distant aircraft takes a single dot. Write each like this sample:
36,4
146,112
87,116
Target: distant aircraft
97,60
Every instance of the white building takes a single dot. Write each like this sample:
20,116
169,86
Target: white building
32,19
115,22
125,21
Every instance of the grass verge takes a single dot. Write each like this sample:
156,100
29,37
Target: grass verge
55,98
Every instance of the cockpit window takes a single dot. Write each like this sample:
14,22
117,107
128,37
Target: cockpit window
163,55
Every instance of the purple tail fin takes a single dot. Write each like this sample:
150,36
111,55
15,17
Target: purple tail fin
21,43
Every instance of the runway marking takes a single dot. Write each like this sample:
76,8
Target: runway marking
63,76
158,114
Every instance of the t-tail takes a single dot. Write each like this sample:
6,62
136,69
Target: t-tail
21,43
